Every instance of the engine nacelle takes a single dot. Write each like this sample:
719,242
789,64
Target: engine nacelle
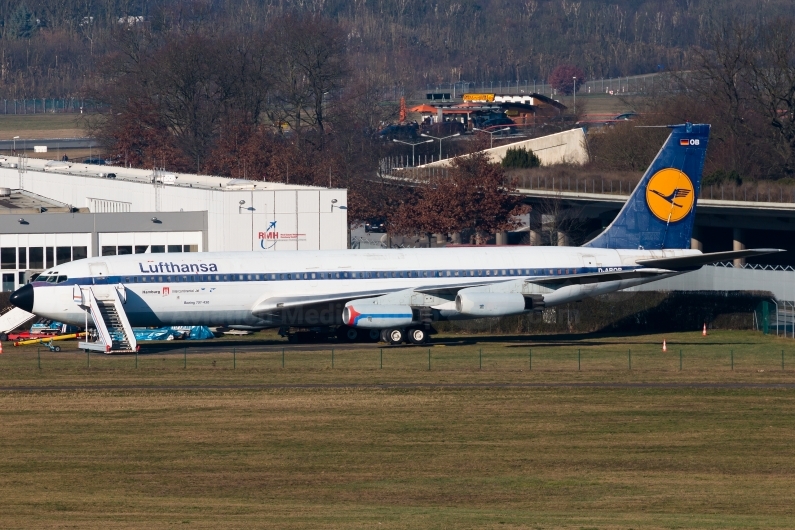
490,304
374,316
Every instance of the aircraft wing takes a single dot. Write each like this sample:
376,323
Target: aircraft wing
693,262
599,277
279,303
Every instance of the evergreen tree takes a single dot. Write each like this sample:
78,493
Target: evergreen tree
520,158
21,23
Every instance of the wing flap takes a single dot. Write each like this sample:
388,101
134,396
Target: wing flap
599,277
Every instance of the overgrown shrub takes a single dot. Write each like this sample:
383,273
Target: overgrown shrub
519,157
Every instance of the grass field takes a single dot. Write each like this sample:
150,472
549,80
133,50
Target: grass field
349,454
40,126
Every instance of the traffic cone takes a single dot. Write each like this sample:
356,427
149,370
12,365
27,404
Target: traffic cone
665,346
1,347
704,331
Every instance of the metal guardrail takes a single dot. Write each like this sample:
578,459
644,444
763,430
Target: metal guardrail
760,192
755,266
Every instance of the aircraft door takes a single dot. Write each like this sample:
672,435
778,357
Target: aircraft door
99,273
589,261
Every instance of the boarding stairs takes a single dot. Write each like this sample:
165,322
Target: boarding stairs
106,305
14,318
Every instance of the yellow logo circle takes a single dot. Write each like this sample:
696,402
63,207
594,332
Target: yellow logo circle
670,195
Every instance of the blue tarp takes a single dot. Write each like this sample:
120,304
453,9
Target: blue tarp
177,332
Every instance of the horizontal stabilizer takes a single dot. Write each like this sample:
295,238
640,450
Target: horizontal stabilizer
690,262
598,277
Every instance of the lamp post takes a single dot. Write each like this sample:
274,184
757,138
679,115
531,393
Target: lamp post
440,140
334,205
575,95
491,133
412,147
15,143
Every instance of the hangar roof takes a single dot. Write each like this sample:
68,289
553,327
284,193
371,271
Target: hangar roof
17,202
148,176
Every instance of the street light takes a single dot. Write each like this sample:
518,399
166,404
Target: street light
412,147
15,143
440,140
491,133
575,95
334,205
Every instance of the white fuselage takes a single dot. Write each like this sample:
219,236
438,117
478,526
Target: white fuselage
244,288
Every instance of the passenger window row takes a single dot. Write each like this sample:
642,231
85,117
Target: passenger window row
338,275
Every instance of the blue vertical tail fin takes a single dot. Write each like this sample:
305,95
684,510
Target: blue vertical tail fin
661,211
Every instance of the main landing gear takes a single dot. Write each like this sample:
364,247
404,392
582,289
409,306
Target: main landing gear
398,335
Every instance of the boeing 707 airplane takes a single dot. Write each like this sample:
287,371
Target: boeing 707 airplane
392,294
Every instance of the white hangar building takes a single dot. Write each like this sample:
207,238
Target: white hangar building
52,212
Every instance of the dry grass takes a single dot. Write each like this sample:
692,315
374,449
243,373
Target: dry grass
399,458
40,126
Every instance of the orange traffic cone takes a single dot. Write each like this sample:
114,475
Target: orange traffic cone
1,347
704,331
665,346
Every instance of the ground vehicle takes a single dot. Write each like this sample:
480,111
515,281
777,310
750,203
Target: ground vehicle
627,116
407,131
497,124
95,161
377,226
445,128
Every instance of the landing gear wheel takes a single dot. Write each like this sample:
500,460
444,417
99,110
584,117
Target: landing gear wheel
3,337
417,336
395,336
373,335
56,348
344,333
382,335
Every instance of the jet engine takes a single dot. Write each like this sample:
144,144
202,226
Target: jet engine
374,316
482,304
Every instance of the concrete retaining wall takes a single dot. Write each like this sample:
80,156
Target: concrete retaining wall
567,147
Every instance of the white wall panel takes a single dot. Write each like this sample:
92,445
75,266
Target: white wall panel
285,201
308,231
308,201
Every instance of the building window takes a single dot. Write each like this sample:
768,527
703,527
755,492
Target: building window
8,260
158,249
175,248
50,255
190,248
8,282
36,255
22,253
141,249
108,251
63,255
79,253
124,250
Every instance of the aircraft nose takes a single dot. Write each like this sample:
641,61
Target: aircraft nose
23,298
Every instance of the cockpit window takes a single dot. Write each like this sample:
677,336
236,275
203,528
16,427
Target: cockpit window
52,279
62,279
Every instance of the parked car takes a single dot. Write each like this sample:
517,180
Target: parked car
497,124
446,128
407,131
95,161
627,116
375,226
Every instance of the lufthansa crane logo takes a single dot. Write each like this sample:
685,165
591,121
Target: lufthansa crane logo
670,195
